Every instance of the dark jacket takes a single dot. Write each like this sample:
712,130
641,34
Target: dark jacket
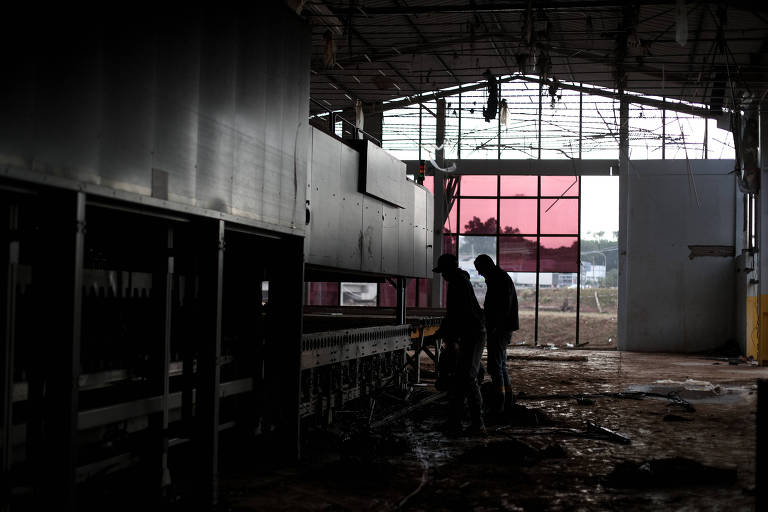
463,319
501,302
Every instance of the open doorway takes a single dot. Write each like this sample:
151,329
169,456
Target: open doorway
599,272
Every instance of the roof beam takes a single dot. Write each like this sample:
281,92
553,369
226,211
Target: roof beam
640,100
522,5
424,39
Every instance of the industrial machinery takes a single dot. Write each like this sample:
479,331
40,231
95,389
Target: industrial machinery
158,217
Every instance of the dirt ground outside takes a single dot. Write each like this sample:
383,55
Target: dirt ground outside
535,459
557,317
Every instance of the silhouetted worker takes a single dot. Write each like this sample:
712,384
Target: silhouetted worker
501,319
464,327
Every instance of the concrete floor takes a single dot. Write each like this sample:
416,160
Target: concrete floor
409,465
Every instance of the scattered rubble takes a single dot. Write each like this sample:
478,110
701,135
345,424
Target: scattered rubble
669,472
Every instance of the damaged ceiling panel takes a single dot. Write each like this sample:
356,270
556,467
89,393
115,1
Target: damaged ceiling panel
377,50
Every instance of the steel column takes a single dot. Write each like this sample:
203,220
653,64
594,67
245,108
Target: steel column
165,477
624,208
58,275
7,362
285,313
211,274
761,455
538,251
400,301
578,269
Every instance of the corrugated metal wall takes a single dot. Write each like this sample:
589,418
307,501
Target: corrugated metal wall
205,108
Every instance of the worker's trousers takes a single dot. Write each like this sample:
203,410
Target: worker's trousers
497,367
465,383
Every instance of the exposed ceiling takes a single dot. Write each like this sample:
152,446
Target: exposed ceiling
389,49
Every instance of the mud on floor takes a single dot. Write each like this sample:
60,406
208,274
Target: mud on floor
541,457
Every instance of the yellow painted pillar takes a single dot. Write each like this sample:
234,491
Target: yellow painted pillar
761,232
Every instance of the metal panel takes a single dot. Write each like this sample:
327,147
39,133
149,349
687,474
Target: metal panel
216,125
67,118
381,173
419,230
405,233
176,130
325,181
188,98
373,223
430,226
127,130
390,239
347,240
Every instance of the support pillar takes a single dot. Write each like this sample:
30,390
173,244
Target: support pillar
440,201
761,455
211,273
165,361
285,325
400,317
8,323
761,231
624,212
57,284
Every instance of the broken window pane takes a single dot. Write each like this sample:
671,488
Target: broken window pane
559,216
566,186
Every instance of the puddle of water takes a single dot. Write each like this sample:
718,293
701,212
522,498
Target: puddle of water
695,391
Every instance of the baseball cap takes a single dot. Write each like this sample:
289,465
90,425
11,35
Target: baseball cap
446,263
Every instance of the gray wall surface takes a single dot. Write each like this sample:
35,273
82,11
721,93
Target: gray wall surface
355,232
202,107
677,304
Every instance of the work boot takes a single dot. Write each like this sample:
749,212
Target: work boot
509,399
477,428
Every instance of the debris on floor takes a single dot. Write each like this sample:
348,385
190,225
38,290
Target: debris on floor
668,472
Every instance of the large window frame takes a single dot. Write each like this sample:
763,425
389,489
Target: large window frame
492,227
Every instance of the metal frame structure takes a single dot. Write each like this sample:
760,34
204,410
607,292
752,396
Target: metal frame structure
104,412
498,235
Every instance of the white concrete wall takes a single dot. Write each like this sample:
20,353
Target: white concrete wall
676,304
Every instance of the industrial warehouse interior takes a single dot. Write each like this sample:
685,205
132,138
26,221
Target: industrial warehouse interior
379,255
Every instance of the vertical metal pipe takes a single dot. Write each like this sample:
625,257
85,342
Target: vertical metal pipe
706,138
165,479
581,116
624,232
761,455
578,269
663,130
440,133
209,356
538,257
498,126
421,114
9,340
400,313
458,151
541,86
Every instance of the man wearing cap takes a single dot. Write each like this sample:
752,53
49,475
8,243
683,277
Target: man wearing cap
464,325
501,318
